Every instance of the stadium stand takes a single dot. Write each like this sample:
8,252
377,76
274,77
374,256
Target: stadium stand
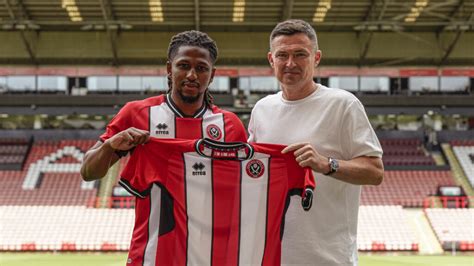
406,188
453,227
404,152
13,153
385,228
72,71
464,151
46,206
50,176
66,228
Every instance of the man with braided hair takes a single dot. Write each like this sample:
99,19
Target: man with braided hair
186,111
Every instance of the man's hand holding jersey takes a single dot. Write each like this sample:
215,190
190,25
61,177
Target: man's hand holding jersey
307,156
128,139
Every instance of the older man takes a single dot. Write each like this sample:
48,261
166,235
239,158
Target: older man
326,129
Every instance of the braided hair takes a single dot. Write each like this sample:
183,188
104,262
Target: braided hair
193,38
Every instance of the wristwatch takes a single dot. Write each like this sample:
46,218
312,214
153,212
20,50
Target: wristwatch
333,166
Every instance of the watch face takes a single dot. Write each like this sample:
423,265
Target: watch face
334,165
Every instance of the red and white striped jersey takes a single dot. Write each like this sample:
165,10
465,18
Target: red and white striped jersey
212,203
161,117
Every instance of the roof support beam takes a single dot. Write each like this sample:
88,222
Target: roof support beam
197,22
417,38
25,41
287,10
429,8
365,50
455,41
267,24
452,15
457,9
25,13
438,15
395,62
370,11
108,16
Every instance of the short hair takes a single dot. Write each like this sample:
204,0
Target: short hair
294,26
192,38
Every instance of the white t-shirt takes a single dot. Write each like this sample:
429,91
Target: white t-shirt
335,123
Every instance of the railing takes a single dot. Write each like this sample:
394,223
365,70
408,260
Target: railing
448,202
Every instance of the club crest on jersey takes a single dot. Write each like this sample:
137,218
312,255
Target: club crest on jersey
214,132
255,168
199,169
162,129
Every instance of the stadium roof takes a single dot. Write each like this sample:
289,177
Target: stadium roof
236,15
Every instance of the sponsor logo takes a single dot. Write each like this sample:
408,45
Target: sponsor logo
214,132
255,168
199,169
162,129
224,154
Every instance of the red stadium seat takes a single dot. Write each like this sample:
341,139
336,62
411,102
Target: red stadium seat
28,246
452,226
68,246
60,185
108,246
406,188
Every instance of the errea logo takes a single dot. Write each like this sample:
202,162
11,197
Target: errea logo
162,129
199,169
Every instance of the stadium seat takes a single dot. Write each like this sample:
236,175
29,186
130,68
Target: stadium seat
383,228
65,228
406,188
453,226
463,154
50,176
404,152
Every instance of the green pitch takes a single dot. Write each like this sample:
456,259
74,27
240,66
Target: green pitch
118,259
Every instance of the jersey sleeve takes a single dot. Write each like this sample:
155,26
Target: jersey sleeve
299,177
141,172
235,130
121,121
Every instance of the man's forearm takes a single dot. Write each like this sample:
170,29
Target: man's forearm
360,171
97,162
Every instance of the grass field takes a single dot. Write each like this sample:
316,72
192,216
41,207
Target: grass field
118,259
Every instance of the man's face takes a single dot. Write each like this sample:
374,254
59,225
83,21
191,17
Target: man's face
293,58
191,71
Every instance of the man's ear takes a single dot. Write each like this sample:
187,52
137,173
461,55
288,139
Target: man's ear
317,57
212,74
270,58
168,67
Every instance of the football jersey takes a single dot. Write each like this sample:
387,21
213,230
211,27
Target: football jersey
161,117
212,203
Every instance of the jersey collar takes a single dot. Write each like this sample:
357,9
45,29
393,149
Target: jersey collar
199,113
224,150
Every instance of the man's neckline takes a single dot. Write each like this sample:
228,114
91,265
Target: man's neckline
199,113
315,91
